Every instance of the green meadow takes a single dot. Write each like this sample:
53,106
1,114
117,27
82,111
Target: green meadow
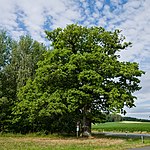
126,126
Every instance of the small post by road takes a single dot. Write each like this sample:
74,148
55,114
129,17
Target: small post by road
142,138
77,129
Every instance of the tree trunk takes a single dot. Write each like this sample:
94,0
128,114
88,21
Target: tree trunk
86,128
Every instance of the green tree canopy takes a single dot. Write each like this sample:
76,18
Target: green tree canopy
82,76
18,62
6,79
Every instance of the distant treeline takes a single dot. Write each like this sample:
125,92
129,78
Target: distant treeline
134,119
116,117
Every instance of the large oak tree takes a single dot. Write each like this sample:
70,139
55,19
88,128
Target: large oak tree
81,75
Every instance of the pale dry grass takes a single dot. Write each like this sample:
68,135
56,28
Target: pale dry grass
46,143
71,141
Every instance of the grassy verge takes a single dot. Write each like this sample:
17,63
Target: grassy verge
139,127
28,142
38,141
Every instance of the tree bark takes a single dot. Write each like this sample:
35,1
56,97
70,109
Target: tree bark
86,128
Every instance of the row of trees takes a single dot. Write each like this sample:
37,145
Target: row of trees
79,80
18,62
117,118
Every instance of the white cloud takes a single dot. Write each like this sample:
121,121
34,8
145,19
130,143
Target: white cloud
33,15
136,27
19,17
7,17
99,4
142,109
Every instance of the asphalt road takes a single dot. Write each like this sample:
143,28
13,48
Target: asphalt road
142,148
130,135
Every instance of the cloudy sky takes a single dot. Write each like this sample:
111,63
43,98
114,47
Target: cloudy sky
20,17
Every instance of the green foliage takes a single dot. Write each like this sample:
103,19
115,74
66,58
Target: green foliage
113,118
25,56
5,48
80,78
6,80
17,63
134,119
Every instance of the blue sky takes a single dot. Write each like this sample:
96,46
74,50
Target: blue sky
21,17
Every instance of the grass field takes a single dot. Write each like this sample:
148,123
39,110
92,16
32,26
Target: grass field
138,127
98,142
59,143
